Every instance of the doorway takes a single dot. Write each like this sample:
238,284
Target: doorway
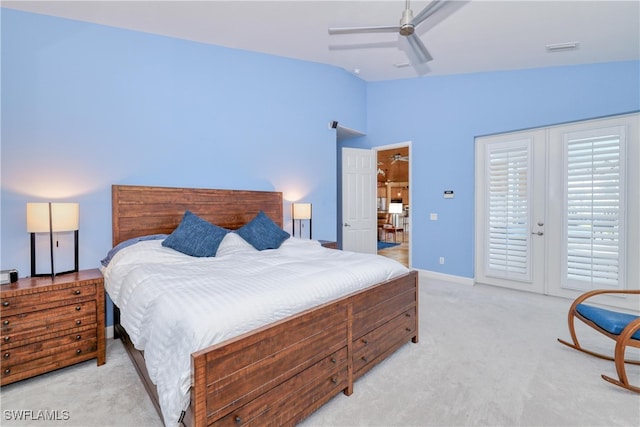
393,191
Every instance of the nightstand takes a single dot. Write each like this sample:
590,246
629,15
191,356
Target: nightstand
51,323
329,244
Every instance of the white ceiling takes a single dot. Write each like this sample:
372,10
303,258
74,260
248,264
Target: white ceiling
481,35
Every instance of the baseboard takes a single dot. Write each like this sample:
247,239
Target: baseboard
109,332
447,277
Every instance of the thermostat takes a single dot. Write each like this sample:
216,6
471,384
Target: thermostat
448,194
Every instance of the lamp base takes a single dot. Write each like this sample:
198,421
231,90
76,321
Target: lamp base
53,273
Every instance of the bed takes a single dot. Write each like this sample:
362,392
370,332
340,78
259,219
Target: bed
278,372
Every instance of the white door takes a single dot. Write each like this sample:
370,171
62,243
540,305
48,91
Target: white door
557,208
359,219
594,190
510,210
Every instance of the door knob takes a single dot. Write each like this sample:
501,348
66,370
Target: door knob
539,233
346,224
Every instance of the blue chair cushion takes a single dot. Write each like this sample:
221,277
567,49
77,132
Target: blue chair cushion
611,321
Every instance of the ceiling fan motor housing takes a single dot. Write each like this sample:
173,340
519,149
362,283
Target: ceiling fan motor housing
406,27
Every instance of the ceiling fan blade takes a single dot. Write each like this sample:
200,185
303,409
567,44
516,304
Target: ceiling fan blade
376,45
429,10
441,8
357,30
419,51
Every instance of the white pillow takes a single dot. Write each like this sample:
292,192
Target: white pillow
233,243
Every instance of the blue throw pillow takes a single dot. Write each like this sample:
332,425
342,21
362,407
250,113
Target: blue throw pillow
263,233
195,236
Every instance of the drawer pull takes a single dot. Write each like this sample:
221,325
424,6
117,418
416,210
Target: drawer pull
78,308
78,351
5,303
333,360
77,292
237,419
365,342
7,339
408,329
6,355
364,358
7,371
5,323
78,337
407,314
78,322
334,380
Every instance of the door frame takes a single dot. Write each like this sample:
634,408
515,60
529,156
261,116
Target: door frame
408,145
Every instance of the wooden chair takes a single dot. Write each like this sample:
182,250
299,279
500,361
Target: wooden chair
387,228
384,220
623,328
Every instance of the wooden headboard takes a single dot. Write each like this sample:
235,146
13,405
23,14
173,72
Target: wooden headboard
140,211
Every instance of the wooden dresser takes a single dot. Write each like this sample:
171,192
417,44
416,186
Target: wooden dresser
51,323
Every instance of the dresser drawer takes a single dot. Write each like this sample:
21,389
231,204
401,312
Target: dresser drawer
39,349
370,347
44,300
318,383
34,324
65,356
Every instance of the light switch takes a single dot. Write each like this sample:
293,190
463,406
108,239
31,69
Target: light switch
433,217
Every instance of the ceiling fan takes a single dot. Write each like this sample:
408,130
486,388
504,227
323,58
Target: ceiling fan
408,23
399,157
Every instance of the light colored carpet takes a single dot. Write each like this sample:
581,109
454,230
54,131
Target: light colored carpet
486,357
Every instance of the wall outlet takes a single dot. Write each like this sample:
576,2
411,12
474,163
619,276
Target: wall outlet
441,260
433,217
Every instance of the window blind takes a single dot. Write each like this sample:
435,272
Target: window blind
593,211
508,171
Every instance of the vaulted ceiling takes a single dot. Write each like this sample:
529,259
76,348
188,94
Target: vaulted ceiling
465,37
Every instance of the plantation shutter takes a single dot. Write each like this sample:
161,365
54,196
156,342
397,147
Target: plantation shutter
508,170
594,209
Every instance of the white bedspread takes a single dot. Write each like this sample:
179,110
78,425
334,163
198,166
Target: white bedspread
173,305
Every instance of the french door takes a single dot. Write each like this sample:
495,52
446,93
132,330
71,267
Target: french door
557,208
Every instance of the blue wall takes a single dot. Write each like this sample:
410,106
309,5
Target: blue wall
441,115
86,106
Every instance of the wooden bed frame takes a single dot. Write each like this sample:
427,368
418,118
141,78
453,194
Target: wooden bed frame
282,372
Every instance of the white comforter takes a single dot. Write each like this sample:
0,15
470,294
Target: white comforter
173,305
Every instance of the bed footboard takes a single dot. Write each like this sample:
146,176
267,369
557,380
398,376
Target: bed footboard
280,374
276,375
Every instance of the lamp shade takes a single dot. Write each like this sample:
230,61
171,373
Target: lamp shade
302,211
64,217
395,208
